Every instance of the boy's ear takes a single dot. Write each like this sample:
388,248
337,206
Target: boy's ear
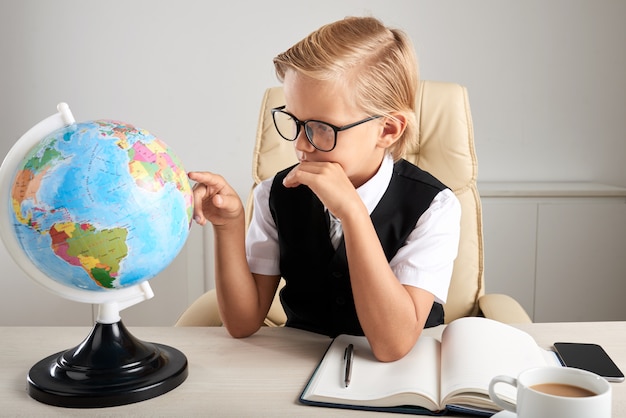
393,127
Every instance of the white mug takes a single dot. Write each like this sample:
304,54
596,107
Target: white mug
549,399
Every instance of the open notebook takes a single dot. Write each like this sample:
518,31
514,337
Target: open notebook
435,376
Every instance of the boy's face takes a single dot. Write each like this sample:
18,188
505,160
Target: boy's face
359,150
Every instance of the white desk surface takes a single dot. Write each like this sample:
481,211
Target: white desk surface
259,376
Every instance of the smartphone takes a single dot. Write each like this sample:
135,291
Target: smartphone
591,357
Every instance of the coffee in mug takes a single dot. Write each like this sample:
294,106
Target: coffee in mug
555,392
561,389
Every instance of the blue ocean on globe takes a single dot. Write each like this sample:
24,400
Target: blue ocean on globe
101,205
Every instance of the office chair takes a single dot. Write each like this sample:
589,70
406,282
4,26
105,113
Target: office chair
445,148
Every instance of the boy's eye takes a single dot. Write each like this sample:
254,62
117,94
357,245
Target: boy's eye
319,128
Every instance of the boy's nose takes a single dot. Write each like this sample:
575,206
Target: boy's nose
302,143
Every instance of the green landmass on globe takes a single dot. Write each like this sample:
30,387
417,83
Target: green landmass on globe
101,205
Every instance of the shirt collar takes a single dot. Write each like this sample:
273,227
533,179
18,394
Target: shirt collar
373,190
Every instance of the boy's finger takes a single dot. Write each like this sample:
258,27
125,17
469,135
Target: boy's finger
204,177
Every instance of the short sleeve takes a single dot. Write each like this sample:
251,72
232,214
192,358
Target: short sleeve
262,250
427,258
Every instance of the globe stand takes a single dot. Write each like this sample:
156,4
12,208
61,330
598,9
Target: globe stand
109,368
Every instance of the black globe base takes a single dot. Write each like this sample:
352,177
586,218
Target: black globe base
109,368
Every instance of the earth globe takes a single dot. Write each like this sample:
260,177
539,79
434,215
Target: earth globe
92,211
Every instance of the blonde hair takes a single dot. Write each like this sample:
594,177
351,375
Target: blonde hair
377,65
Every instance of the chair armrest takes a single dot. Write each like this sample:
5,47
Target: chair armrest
203,312
503,308
276,316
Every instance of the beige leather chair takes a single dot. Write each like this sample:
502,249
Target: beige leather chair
445,148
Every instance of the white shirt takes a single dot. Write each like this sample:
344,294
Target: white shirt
425,261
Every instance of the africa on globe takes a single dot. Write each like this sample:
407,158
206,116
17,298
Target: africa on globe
100,205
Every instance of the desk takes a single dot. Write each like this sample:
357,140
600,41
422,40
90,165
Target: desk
259,376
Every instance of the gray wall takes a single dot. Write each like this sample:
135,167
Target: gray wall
547,79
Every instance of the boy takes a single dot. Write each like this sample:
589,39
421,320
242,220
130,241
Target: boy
350,110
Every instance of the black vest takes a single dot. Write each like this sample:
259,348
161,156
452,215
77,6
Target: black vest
317,295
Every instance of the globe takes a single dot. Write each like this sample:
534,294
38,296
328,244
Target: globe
92,211
100,205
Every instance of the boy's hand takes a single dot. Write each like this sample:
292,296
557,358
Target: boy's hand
329,182
214,200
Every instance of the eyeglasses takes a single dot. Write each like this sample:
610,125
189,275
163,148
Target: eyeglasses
322,135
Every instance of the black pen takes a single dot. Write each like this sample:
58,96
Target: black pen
348,357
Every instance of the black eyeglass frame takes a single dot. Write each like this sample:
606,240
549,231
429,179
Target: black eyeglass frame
300,124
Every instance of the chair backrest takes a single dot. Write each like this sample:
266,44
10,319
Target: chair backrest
444,147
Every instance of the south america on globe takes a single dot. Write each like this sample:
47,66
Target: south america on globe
101,205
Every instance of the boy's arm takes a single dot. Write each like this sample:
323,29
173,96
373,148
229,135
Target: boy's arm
392,315
244,299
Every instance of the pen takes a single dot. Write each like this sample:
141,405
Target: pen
348,357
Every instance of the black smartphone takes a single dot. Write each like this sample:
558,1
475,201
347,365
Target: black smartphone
591,357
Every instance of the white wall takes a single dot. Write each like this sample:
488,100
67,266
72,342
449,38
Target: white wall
546,79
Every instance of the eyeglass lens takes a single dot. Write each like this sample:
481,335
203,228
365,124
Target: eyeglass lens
321,135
